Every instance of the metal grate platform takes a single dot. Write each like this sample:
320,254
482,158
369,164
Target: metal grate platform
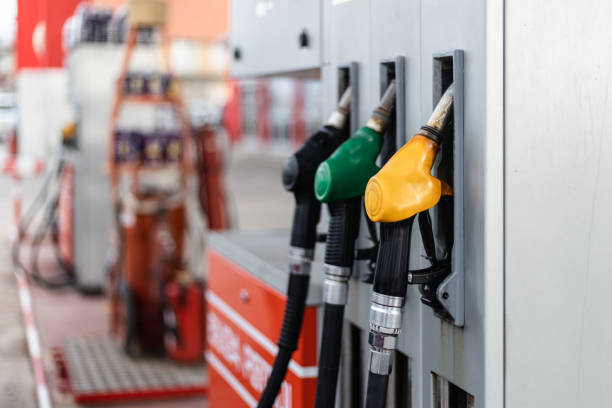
98,370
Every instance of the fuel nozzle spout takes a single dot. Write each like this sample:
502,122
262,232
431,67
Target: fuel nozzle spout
440,116
405,186
382,114
337,119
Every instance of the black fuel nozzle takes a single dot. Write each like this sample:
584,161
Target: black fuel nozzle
298,177
299,173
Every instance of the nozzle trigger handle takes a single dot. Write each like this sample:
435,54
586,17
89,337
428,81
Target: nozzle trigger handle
391,276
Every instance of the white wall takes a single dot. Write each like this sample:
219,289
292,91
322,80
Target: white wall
43,109
558,202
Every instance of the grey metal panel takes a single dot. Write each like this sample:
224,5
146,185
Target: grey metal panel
451,291
266,34
349,41
396,31
558,200
398,67
264,255
352,69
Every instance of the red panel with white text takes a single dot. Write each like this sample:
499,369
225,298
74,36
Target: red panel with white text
243,319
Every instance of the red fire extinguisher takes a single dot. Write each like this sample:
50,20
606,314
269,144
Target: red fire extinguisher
184,320
146,263
211,189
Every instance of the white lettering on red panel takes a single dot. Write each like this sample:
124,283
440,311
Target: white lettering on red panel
253,368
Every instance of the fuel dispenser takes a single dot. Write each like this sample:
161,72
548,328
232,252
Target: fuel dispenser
340,182
403,188
298,177
155,307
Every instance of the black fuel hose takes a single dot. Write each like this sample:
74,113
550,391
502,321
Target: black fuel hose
67,276
377,387
48,223
390,282
339,252
329,357
290,332
298,177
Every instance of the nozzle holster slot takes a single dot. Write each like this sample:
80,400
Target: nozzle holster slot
395,135
348,75
442,285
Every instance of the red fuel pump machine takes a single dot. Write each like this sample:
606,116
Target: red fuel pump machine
148,170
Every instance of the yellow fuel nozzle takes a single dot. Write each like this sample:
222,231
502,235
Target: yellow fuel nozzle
405,186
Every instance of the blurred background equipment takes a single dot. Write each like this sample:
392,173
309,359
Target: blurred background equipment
68,57
50,216
163,206
147,169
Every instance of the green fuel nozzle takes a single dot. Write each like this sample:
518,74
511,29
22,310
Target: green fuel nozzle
346,172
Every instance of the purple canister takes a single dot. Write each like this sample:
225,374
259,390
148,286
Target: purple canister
155,84
126,83
153,149
167,85
127,146
135,83
173,147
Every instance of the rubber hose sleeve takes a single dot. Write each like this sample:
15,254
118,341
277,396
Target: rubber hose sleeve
305,219
342,232
297,290
391,276
329,356
376,395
